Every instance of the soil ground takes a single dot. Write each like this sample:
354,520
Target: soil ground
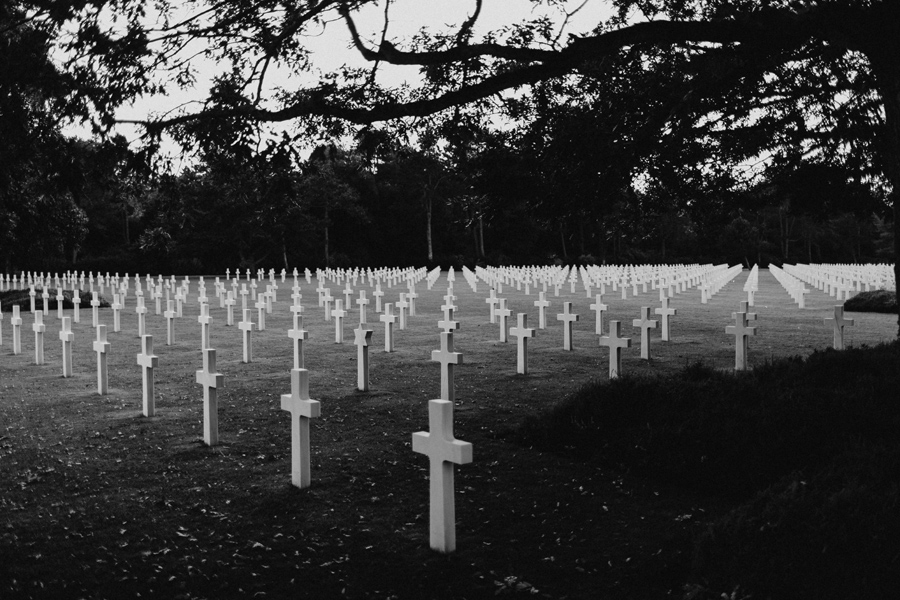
98,501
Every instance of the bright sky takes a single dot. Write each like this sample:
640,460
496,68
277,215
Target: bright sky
332,47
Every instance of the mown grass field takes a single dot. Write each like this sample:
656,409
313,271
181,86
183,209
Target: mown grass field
98,501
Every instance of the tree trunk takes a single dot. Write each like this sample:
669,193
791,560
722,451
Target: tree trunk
428,230
327,251
482,254
562,238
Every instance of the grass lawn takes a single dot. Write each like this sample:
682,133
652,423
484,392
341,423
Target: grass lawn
97,501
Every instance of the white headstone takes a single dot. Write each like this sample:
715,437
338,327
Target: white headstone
66,336
148,362
338,313
615,345
598,307
522,332
298,335
838,322
740,331
388,319
362,337
665,312
448,359
246,326
211,382
443,451
302,409
39,328
542,304
645,323
503,314
205,322
101,347
568,319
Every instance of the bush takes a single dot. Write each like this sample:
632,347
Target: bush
729,433
810,448
833,535
879,301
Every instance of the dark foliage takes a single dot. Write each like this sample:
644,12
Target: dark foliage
880,301
810,447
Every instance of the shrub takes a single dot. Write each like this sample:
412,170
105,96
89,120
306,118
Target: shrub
879,301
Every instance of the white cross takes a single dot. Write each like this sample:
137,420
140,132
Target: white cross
101,347
39,328
542,304
443,451
229,305
298,334
568,319
378,294
302,409
76,305
598,307
411,297
243,294
388,319
448,359
180,298
148,362
211,381
646,324
32,293
326,302
95,310
402,306
338,313
59,303
522,332
492,300
141,311
348,292
740,330
615,345
665,312
503,313
362,302
116,307
448,324
838,322
45,296
362,336
205,322
261,312
246,326
66,336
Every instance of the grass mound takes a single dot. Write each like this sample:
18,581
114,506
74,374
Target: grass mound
808,449
879,301
20,298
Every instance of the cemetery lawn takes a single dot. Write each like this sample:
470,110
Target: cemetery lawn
97,501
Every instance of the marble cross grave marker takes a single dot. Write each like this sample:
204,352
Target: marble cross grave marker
503,313
39,328
205,321
443,451
568,319
298,335
66,336
148,362
740,331
211,382
448,359
388,319
101,347
665,312
542,304
302,409
246,327
838,322
522,332
362,337
645,323
16,322
615,345
170,322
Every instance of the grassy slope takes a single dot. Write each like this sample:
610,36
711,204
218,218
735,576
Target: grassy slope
810,448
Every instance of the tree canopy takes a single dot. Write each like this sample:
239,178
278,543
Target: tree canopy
671,94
